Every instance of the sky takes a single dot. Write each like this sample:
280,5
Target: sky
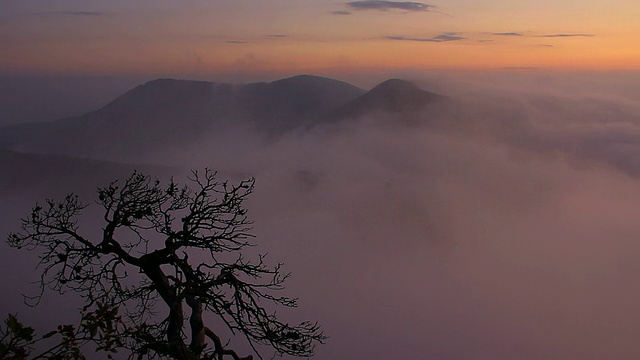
200,38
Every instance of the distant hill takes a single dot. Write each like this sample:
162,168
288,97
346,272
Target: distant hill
169,113
299,100
393,97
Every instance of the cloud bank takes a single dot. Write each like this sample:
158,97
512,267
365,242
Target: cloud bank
565,35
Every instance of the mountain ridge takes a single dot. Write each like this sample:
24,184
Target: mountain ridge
165,112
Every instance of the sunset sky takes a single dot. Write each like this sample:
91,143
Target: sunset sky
200,37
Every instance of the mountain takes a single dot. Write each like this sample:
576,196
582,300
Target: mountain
167,114
393,97
299,100
157,112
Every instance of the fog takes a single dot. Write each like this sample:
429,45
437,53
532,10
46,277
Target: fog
502,226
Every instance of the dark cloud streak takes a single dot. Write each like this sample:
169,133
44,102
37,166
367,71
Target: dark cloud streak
507,34
565,35
440,38
520,34
389,5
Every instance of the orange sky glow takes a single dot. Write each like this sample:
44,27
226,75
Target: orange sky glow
286,36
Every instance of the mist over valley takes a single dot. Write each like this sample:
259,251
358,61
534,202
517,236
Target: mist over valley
454,217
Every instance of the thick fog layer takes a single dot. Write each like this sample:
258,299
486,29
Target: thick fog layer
501,226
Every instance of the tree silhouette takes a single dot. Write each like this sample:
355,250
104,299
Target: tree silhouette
165,249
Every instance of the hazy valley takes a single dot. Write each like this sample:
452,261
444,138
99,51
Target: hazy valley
455,223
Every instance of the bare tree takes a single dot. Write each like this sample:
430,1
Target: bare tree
165,249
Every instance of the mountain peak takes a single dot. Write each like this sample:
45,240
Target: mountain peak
169,81
167,85
162,93
307,81
391,96
396,85
303,77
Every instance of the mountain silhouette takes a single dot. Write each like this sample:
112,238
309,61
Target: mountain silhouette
393,97
291,102
166,113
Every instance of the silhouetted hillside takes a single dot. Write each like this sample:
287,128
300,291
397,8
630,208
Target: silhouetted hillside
395,96
170,114
167,112
295,101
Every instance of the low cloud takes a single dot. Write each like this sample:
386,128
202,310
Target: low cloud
341,12
506,225
565,35
474,224
508,34
277,35
389,5
440,38
521,34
